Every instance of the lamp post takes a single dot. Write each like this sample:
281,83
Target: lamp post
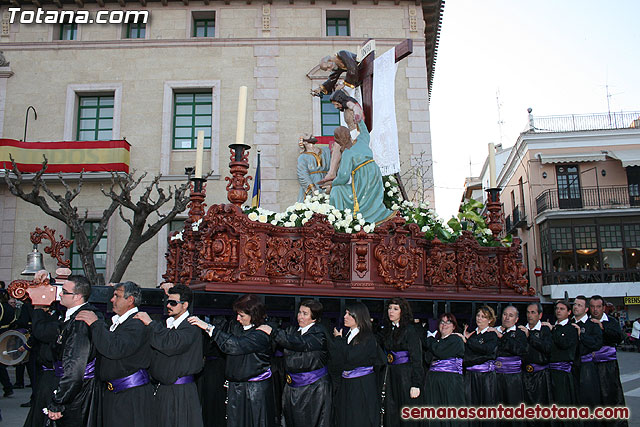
26,120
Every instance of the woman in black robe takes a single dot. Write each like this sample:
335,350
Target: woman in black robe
444,384
479,356
357,402
404,373
248,367
306,400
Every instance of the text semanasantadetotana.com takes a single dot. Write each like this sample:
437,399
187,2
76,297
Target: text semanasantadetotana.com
537,412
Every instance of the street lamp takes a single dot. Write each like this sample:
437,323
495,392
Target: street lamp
26,120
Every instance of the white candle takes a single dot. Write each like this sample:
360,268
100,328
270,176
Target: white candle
242,114
199,154
492,165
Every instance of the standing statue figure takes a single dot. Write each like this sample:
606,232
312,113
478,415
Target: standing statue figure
343,61
358,184
313,164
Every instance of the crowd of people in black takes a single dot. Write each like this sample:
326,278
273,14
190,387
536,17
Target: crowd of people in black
244,372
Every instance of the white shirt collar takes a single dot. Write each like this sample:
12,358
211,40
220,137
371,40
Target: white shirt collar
535,328
513,328
604,317
397,324
247,327
564,322
582,319
72,310
481,331
120,319
352,334
306,328
174,323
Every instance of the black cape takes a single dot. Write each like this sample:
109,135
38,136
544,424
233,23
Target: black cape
480,387
122,353
537,385
564,340
77,398
45,327
444,388
250,403
587,381
177,352
357,402
400,378
611,392
310,405
211,389
510,388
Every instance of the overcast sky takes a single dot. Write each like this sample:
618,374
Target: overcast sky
553,56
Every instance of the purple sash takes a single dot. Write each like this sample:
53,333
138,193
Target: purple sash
587,358
508,364
184,380
561,366
534,367
136,379
305,378
89,370
605,354
210,358
46,368
263,376
453,365
398,357
487,366
360,371
278,353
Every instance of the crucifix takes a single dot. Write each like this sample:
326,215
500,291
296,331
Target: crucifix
365,76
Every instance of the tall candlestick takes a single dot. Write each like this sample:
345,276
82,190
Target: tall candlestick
199,154
242,114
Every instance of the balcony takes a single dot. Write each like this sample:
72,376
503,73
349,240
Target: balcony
590,198
581,277
579,122
517,219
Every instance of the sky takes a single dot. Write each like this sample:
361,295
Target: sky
556,57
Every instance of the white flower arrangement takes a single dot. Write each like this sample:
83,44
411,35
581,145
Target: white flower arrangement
196,225
177,236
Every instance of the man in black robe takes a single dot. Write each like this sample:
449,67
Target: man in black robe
512,346
177,358
564,339
587,381
125,356
606,360
76,401
535,377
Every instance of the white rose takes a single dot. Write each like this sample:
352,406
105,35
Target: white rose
395,207
293,217
390,193
361,221
392,178
348,230
387,184
308,214
253,216
262,218
331,218
424,229
357,227
274,222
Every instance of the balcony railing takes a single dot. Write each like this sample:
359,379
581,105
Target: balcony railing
590,198
577,122
579,277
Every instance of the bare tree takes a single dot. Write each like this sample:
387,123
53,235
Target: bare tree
119,195
419,177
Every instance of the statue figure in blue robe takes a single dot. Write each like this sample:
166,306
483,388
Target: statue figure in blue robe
313,164
358,184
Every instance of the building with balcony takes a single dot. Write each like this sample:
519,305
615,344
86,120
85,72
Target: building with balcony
570,191
155,84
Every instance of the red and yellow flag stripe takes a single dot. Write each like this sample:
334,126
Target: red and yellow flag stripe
66,156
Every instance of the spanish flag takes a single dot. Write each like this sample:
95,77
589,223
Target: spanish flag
66,156
255,200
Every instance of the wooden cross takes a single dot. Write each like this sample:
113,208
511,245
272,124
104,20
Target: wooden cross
365,75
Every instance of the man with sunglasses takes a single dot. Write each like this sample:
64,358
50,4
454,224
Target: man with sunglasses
125,356
76,401
177,357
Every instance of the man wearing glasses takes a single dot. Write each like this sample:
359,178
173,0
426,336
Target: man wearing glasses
125,356
177,357
76,400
